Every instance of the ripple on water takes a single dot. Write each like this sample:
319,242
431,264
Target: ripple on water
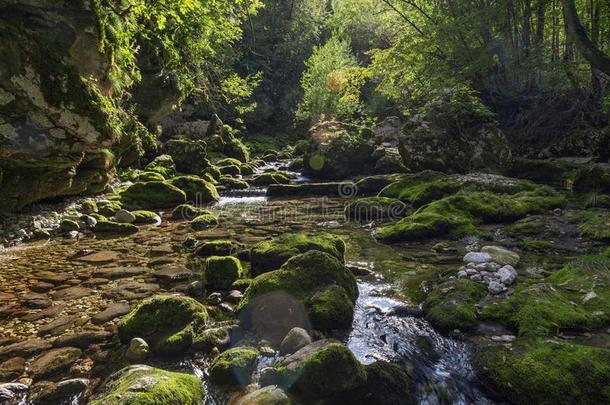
440,365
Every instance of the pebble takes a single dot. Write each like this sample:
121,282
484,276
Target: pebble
477,257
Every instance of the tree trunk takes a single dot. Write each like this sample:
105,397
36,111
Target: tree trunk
578,34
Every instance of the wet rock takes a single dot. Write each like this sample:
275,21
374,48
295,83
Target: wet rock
12,368
26,348
68,225
295,340
137,351
405,311
82,340
35,301
507,275
502,256
9,391
72,293
234,296
320,370
173,274
270,395
359,271
146,385
117,228
162,260
234,367
124,217
103,257
131,290
58,326
111,312
477,257
113,273
54,361
41,287
63,391
214,298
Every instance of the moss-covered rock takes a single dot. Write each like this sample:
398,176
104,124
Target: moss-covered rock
386,384
268,178
596,225
196,189
203,222
150,176
320,370
109,208
458,214
593,178
546,371
548,171
215,248
144,385
295,286
212,171
573,298
338,151
188,155
163,165
146,217
271,254
221,271
452,305
228,162
230,170
188,212
270,395
114,228
234,367
231,183
88,206
153,195
375,209
235,148
167,323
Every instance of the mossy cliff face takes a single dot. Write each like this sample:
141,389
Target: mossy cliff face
60,127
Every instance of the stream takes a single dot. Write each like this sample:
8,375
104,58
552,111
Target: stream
439,364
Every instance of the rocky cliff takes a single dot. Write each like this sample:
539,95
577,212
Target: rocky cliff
60,127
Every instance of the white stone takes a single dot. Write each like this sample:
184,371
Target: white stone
590,296
507,275
477,257
495,288
462,274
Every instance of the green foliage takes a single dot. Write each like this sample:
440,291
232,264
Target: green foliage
331,82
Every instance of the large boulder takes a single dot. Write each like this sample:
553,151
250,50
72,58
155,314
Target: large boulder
310,290
272,254
454,133
320,370
146,385
338,151
167,323
153,194
189,156
197,190
234,367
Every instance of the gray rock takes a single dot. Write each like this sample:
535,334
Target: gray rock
296,339
507,275
591,295
269,395
137,351
124,217
89,221
215,298
68,225
462,274
111,312
495,288
477,257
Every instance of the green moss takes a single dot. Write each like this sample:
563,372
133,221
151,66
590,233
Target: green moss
560,303
234,367
458,214
421,188
203,222
146,217
232,183
596,226
213,171
196,189
538,245
242,284
329,369
150,176
230,170
221,271
188,211
301,277
271,254
533,225
88,206
268,178
109,208
235,148
331,309
153,195
375,208
546,372
165,322
215,248
164,165
114,228
452,305
143,385
228,162
189,155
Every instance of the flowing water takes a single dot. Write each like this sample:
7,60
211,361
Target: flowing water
439,364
